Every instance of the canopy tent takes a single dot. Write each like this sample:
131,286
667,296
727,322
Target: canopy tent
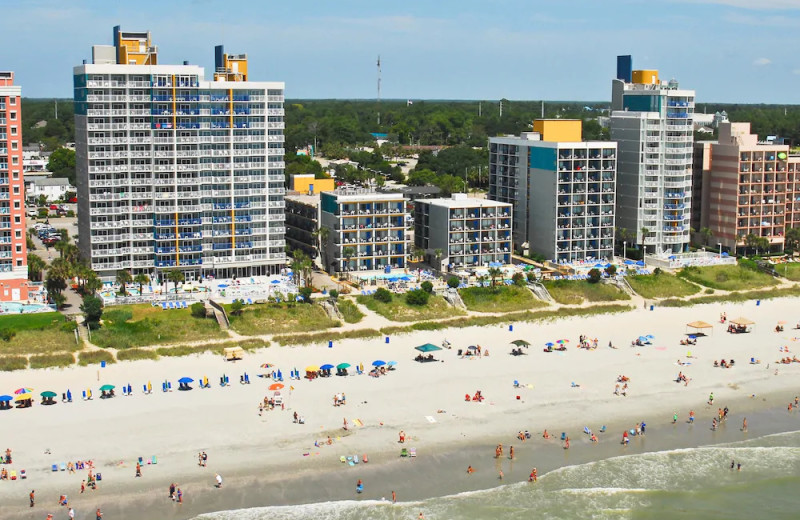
233,353
743,322
520,343
700,327
428,347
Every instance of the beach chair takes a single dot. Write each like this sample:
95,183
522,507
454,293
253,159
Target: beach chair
54,468
516,384
603,429
247,378
249,301
169,386
412,452
163,306
404,452
586,430
153,460
144,389
62,467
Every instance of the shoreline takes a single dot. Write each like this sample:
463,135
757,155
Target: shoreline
261,458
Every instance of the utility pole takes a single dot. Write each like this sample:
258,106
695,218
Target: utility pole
56,108
379,90
480,114
501,108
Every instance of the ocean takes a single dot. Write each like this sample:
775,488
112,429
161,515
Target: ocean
692,483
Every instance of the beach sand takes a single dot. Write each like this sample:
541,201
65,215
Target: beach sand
269,460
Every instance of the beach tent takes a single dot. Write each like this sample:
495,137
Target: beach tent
428,347
743,322
700,327
233,353
520,343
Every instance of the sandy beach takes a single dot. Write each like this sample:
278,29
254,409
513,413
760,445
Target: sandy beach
268,459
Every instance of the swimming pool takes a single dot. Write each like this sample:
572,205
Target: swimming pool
23,308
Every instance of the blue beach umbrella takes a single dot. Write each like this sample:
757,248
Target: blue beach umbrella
391,363
326,367
549,344
650,336
378,363
185,380
4,398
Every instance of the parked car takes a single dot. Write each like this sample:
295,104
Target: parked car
54,207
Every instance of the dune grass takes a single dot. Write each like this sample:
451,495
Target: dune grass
662,285
727,277
136,354
734,297
187,350
575,292
399,310
10,363
94,357
349,310
324,337
279,318
789,270
52,360
126,326
504,298
38,333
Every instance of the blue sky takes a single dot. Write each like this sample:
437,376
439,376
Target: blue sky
727,50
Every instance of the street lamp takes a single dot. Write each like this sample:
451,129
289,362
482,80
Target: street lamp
720,249
624,249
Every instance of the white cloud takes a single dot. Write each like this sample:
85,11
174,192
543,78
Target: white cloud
762,61
796,71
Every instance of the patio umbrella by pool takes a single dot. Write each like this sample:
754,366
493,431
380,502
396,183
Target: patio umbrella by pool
185,380
378,363
428,347
326,367
107,388
342,366
520,343
275,386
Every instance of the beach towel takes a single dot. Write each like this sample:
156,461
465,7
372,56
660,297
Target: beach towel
430,419
357,422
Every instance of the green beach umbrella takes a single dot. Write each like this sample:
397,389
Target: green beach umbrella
342,366
106,388
48,394
520,343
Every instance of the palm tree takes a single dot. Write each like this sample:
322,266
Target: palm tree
302,267
494,272
437,253
141,279
419,253
706,234
348,253
176,276
321,235
92,283
645,232
123,277
35,267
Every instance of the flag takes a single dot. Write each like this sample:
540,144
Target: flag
409,102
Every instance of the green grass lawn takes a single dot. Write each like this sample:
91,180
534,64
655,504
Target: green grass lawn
504,298
727,277
349,311
399,310
39,333
790,271
279,318
126,326
575,292
662,285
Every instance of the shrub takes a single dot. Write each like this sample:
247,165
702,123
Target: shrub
657,271
70,213
383,295
452,282
611,270
417,297
334,294
427,286
198,310
52,360
95,357
518,279
594,276
134,354
305,292
117,315
531,276
7,334
69,326
237,307
709,291
9,363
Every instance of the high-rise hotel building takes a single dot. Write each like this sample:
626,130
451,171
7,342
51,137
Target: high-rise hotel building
651,121
13,251
175,171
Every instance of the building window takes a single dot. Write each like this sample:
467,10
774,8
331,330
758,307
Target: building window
19,264
13,130
16,190
18,233
14,145
12,101
15,176
16,204
19,248
13,116
18,220
15,160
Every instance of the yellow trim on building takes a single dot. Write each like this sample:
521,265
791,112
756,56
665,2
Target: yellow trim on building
559,130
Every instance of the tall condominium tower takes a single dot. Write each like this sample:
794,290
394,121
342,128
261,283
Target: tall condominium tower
175,171
13,253
651,121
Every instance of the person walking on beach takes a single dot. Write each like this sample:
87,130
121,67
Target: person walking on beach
500,475
714,424
674,417
98,514
71,514
691,416
172,491
744,424
205,459
711,398
359,486
511,452
33,491
83,486
566,443
534,476
219,480
138,469
180,496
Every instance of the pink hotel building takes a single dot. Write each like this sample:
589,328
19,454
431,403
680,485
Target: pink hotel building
13,251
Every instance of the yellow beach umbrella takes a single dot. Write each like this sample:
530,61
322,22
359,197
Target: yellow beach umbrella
23,397
312,368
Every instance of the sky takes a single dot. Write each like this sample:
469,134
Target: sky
727,50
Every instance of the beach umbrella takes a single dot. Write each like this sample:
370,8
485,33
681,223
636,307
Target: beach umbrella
275,282
23,390
275,386
650,336
548,344
69,395
48,393
692,336
642,339
5,398
186,380
378,363
520,343
428,347
342,366
562,341
472,347
326,367
391,363
312,368
267,365
23,397
106,388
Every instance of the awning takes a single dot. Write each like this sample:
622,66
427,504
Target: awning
742,322
700,326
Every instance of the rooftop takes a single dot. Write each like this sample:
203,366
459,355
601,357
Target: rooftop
461,200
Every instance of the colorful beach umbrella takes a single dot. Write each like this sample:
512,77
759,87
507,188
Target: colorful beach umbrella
562,341
326,367
276,386
23,390
23,397
267,365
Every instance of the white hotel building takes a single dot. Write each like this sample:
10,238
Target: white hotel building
175,171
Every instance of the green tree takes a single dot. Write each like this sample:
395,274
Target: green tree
176,276
305,292
494,272
518,279
198,310
427,286
417,297
142,279
348,253
92,283
62,164
321,236
92,308
237,307
706,234
36,267
793,239
123,278
453,282
645,232
611,270
382,295
594,275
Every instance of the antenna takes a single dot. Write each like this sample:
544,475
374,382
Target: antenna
379,89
